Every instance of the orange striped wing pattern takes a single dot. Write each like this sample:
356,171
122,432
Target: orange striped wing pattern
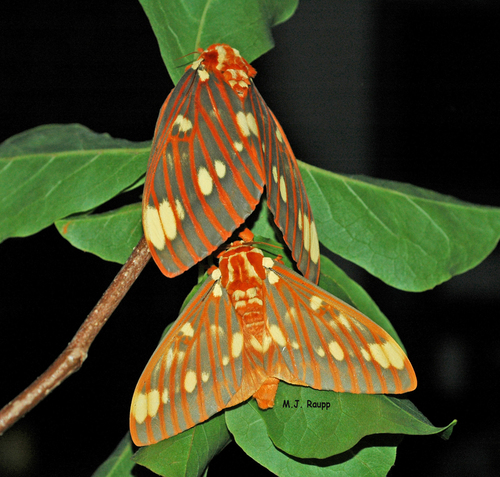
216,146
253,323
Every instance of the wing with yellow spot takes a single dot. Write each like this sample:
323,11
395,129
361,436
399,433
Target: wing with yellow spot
329,345
193,373
287,198
205,174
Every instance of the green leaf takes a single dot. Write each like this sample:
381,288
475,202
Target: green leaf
186,454
308,423
111,235
50,172
245,25
119,463
372,457
262,223
51,138
409,237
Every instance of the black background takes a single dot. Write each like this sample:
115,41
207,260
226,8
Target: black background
402,90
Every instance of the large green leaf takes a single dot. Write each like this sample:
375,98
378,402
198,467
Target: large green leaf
366,459
186,454
411,238
245,25
119,463
307,423
50,172
111,235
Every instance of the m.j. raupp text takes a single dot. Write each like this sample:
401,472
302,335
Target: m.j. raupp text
312,404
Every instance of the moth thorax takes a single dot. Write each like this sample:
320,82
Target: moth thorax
238,80
242,270
222,59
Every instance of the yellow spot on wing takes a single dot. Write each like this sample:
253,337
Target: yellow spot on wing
343,319
203,74
336,350
277,335
164,396
315,303
153,402
307,237
184,123
320,351
152,227
220,168
217,330
238,146
291,313
252,125
190,381
187,330
205,181
169,358
196,64
378,355
366,355
283,189
272,277
179,209
394,354
261,348
236,344
314,243
217,291
140,408
275,174
168,220
241,119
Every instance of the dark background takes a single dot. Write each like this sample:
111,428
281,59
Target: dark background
402,90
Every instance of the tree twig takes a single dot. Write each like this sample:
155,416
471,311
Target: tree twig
72,358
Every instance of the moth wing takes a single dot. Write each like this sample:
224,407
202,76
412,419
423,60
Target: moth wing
192,374
204,175
327,344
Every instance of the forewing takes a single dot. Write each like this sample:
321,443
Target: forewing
329,344
190,377
205,172
286,194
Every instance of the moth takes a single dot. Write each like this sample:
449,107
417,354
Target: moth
216,146
253,323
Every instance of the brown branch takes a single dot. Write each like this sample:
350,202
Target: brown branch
72,358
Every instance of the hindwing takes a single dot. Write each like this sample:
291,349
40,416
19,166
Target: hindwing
328,344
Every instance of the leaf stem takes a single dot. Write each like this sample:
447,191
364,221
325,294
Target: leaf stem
72,358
